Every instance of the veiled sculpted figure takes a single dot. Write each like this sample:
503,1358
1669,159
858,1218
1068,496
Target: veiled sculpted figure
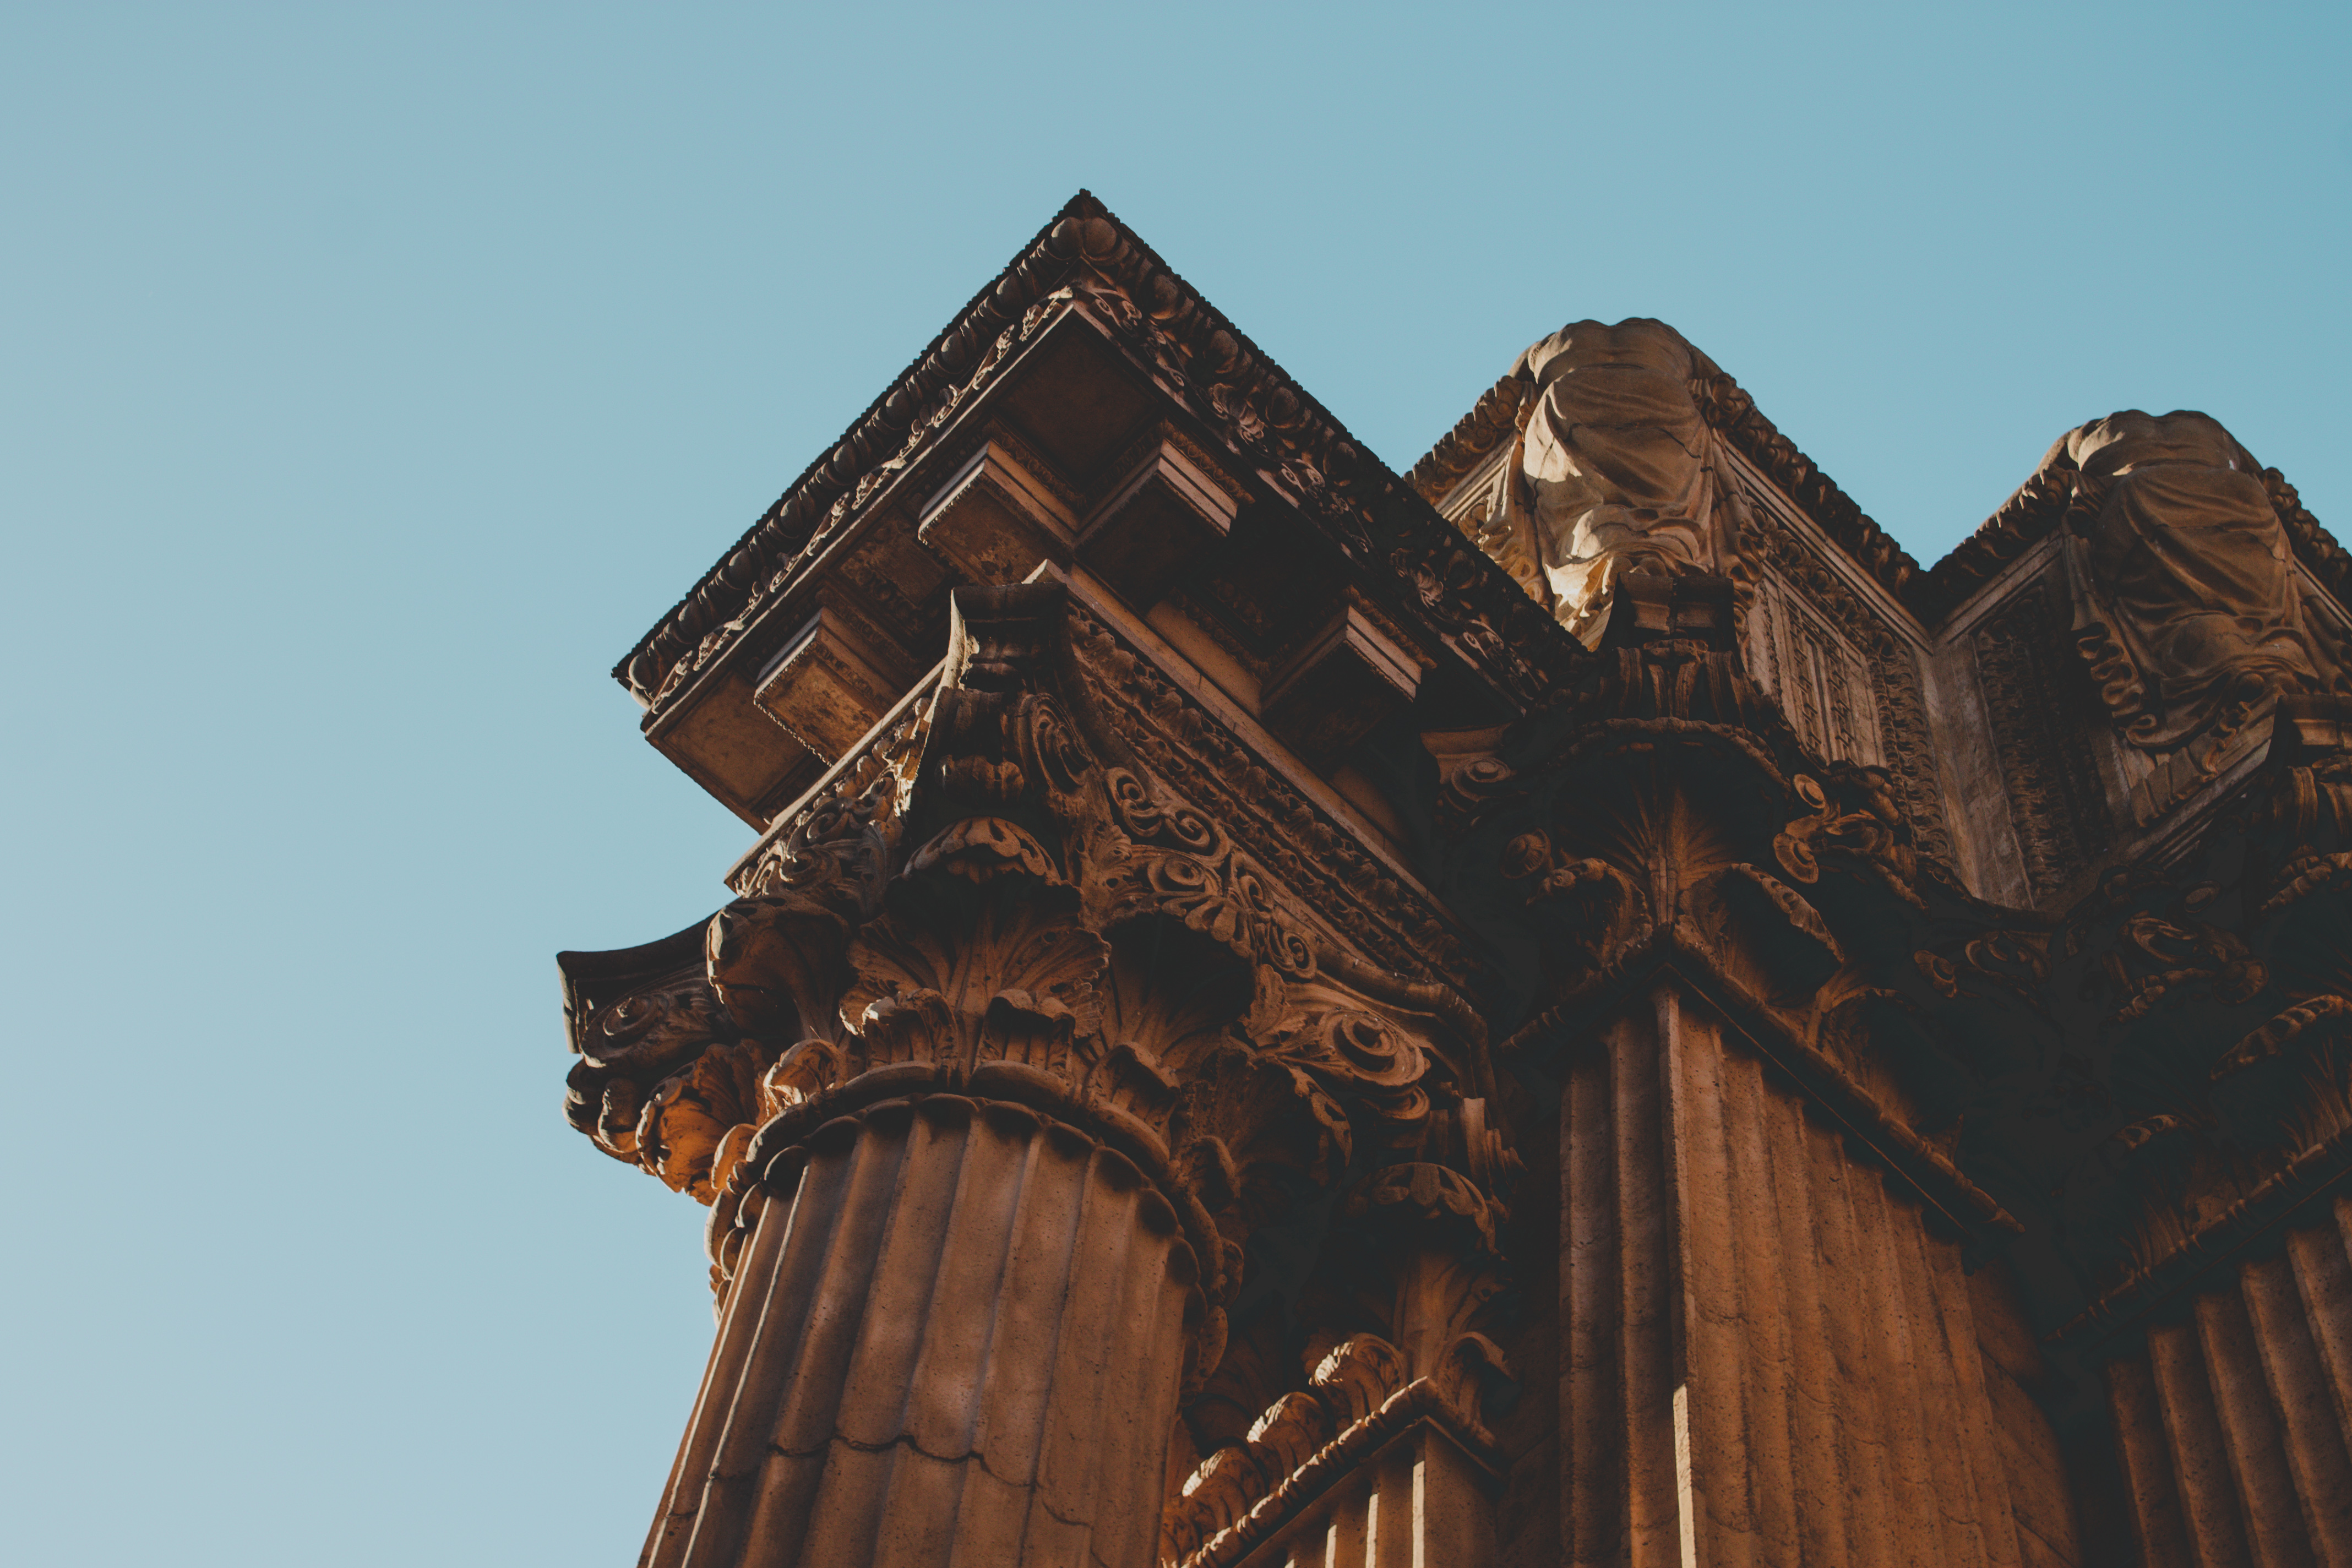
2186,601
1615,470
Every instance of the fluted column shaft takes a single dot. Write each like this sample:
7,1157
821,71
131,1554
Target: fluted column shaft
957,1339
1767,1356
2235,1426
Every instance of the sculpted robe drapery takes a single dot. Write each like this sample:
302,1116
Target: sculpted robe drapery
1615,470
2188,606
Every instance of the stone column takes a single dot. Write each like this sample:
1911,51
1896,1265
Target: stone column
1769,1356
996,1024
961,1281
1769,1350
956,1335
2235,1425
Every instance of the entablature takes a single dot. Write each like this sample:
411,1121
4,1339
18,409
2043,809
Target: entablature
1090,411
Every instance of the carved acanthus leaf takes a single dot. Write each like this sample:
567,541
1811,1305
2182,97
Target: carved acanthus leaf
971,954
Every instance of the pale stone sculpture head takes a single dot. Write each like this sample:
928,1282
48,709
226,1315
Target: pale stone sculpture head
1615,469
2188,606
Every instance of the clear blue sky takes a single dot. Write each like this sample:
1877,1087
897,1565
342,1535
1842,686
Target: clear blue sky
372,376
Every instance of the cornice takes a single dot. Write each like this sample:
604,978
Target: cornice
1491,421
1261,410
2030,515
1197,356
769,547
1734,415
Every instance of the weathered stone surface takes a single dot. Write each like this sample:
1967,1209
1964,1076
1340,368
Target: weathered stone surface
832,683
1571,1007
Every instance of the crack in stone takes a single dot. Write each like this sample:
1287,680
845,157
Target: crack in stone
970,1455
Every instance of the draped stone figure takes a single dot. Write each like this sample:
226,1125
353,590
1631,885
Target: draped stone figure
1615,470
2186,602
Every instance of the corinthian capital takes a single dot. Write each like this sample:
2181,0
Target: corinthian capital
998,896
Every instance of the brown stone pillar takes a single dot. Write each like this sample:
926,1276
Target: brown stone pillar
1768,1357
956,1336
989,1075
2235,1424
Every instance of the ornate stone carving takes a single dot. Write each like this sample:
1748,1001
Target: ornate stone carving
1421,1257
997,910
1857,816
1614,469
1493,421
2057,807
960,363
1298,449
1287,835
1893,667
998,883
2031,513
1586,911
2187,604
664,1075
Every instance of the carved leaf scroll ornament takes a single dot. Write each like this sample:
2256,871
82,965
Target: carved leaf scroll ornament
1587,910
2158,956
2015,964
664,1073
2313,1019
1860,819
967,975
774,956
2153,943
1176,863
